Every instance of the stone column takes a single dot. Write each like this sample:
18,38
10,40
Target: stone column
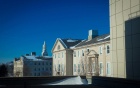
96,65
90,66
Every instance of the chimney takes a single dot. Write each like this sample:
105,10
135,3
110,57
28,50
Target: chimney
92,34
33,53
27,54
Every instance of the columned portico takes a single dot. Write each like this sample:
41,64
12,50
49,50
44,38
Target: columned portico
92,56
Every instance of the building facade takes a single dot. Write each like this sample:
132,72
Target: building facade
124,32
32,65
63,56
85,50
71,55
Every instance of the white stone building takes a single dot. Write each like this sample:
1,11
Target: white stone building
62,56
84,54
74,55
32,65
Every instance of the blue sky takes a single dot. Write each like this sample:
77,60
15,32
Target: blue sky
26,24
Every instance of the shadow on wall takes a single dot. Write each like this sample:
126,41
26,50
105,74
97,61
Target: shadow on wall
132,48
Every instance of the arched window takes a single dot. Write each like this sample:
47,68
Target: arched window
58,48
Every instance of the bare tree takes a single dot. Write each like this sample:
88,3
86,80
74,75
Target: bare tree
3,70
83,65
63,70
17,73
59,70
55,71
86,64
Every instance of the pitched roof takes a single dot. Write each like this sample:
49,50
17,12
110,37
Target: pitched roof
37,58
102,38
70,42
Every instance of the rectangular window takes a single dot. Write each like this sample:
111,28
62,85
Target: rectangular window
62,54
74,54
100,50
62,67
46,63
101,68
107,49
34,74
78,54
108,68
87,50
74,67
58,55
46,69
55,68
82,52
58,67
55,55
42,69
78,67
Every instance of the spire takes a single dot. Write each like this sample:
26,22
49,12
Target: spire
44,50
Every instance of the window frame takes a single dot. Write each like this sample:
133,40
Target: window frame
100,50
78,53
101,70
108,69
58,55
83,53
74,68
88,49
74,54
78,68
107,49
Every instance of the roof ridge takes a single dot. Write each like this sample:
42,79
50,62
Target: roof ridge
63,42
78,44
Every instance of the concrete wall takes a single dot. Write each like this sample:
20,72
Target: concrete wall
120,11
